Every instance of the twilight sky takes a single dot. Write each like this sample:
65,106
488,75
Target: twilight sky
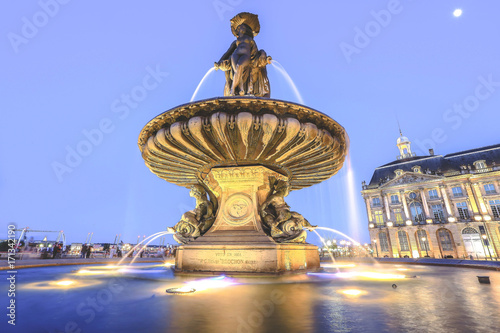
79,80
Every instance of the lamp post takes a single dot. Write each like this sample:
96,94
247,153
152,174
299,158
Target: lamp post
486,243
425,246
376,248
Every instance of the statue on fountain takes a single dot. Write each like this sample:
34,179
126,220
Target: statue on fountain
243,63
197,221
284,225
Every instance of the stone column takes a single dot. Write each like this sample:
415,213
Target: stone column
387,210
405,205
446,200
424,203
472,200
480,199
368,209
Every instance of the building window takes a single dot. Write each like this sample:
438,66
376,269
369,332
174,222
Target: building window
416,212
384,242
403,241
437,211
433,194
394,199
463,211
457,191
412,195
417,169
480,165
376,202
398,172
489,189
424,244
398,216
495,208
379,218
444,237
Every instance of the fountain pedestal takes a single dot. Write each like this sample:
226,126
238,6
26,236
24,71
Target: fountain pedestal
236,242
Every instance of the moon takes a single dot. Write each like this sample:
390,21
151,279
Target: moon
457,12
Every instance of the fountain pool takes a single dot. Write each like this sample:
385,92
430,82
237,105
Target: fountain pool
357,298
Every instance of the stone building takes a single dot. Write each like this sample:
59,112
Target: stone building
437,206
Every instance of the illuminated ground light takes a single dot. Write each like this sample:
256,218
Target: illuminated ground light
211,283
181,290
169,264
338,265
365,275
352,292
61,284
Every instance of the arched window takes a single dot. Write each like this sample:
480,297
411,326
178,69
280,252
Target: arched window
403,241
445,239
469,230
384,242
416,212
423,240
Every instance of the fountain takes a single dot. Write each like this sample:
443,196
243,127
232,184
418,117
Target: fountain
240,155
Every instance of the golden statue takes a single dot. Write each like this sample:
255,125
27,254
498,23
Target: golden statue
197,221
285,225
243,63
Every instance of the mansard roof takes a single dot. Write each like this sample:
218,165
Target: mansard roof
437,164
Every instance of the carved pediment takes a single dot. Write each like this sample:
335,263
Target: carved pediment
410,178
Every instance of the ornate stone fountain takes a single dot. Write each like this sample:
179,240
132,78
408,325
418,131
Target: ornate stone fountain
240,156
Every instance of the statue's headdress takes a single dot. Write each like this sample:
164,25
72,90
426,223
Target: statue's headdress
249,19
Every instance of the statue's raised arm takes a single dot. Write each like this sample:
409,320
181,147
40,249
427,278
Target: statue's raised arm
244,64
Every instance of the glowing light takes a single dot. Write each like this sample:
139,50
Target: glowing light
451,219
65,283
428,220
371,225
408,222
169,264
365,275
487,218
478,217
211,283
181,290
338,265
351,292
402,269
390,224
457,12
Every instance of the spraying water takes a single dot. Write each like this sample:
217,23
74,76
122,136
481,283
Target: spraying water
211,70
161,233
288,79
352,197
325,245
145,245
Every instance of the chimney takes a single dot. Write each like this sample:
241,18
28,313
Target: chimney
431,152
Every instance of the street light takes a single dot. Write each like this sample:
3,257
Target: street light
376,248
425,246
486,243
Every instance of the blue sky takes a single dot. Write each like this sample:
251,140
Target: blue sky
67,69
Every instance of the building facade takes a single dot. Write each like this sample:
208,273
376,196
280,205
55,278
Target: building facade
436,206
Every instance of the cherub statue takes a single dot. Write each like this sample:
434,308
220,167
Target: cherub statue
243,63
197,221
285,225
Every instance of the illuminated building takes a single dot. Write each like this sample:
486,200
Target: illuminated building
440,206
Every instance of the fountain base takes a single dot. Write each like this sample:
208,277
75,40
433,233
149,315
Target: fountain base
246,258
